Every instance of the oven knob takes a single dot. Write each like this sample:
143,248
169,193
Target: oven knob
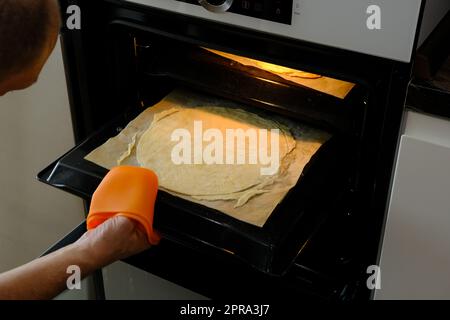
217,6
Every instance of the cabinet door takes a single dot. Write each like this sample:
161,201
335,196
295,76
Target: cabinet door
125,282
415,259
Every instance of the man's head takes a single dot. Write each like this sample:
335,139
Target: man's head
28,34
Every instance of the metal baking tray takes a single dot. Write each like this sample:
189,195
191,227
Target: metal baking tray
318,194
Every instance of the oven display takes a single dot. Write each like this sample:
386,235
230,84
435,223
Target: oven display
272,10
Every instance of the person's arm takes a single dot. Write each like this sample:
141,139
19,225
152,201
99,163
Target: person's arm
46,277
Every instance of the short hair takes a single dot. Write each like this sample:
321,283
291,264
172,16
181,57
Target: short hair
24,29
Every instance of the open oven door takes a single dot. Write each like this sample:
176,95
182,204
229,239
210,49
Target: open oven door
162,65
200,243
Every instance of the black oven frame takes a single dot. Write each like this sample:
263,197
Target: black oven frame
93,84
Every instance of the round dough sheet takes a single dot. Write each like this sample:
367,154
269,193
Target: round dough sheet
155,147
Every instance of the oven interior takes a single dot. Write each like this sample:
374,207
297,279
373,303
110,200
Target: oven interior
313,230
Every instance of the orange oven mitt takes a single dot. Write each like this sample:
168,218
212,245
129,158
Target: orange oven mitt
129,192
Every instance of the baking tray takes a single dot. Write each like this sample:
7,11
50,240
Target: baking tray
271,249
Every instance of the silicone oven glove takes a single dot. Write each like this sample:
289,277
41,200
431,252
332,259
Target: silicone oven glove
129,192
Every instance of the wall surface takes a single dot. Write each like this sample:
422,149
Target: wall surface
35,129
435,10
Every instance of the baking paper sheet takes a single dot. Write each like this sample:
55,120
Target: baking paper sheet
258,209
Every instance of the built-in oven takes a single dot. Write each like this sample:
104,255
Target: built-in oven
341,67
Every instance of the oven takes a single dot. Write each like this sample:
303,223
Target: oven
325,234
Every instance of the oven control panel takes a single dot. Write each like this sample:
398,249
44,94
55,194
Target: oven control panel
382,28
271,10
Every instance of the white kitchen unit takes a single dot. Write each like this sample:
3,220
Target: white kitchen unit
125,282
415,259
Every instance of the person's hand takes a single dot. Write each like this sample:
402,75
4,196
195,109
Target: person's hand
117,238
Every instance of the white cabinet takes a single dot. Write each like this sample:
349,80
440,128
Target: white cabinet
125,282
415,257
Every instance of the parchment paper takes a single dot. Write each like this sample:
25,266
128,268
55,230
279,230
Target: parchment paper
258,209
